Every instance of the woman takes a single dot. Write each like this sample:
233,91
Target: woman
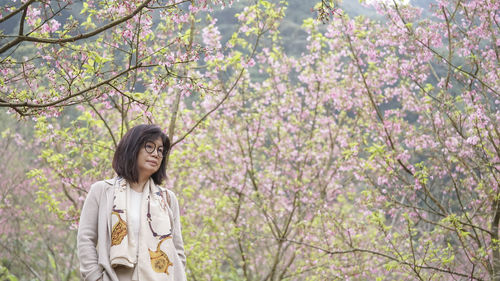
130,226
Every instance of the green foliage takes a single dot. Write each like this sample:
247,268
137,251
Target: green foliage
303,172
5,275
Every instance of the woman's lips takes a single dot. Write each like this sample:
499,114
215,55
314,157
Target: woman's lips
154,163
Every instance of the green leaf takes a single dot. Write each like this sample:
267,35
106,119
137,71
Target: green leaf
85,7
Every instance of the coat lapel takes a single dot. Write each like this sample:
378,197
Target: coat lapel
110,192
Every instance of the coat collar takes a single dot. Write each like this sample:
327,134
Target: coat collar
111,181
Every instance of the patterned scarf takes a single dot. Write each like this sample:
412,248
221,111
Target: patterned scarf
155,259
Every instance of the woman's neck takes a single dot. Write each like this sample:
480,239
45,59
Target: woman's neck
139,185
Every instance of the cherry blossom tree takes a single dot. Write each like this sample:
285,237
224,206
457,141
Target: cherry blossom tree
76,145
63,53
150,61
373,155
34,241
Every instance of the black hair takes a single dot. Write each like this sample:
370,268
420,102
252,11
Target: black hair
125,158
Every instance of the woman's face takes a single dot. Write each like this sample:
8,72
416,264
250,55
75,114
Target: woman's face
148,163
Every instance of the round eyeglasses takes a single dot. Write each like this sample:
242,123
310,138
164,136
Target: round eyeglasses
150,147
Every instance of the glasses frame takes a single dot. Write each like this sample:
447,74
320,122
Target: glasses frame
160,154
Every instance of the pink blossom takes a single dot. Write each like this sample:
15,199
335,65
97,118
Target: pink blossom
128,34
32,15
472,140
51,26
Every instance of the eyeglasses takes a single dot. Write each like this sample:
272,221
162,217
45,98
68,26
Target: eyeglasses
150,147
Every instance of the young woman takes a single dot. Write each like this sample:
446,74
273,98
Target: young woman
130,226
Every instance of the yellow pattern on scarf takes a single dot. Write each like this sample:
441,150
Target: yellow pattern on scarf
159,260
119,231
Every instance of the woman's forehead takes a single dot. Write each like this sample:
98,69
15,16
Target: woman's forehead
158,141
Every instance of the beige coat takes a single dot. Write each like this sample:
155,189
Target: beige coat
94,233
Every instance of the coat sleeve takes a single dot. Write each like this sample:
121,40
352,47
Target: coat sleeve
177,232
87,236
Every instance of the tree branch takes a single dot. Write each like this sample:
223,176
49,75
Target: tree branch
20,39
14,106
226,96
359,250
21,22
15,12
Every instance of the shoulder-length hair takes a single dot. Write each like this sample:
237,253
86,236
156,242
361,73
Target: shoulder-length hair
125,158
